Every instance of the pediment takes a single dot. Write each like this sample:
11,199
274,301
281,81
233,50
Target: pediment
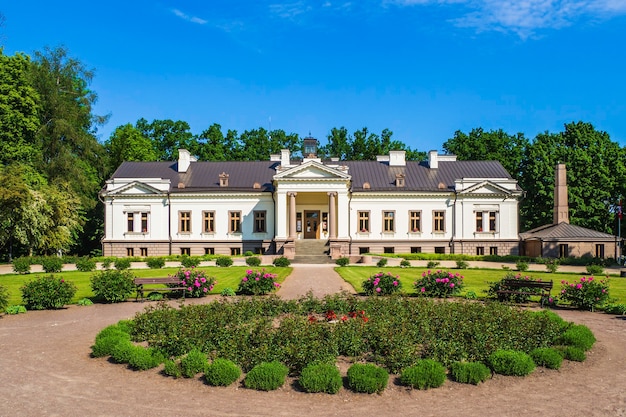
134,188
312,170
485,187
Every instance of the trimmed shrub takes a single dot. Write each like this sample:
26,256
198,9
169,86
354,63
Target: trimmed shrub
112,286
257,283
426,373
155,262
552,265
85,264
432,264
405,263
367,378
223,261
511,362
84,302
578,335
21,265
617,309
122,263
572,353
221,373
281,262
228,292
253,261
107,262
343,261
441,284
52,264
382,262
193,363
15,309
189,261
122,351
47,292
382,284
320,377
248,253
266,376
107,339
142,359
521,266
155,296
469,372
172,368
4,297
462,265
595,269
547,357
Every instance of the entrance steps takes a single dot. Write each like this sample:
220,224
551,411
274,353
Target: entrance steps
312,251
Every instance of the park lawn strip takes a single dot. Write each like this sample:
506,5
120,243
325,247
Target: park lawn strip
226,278
476,280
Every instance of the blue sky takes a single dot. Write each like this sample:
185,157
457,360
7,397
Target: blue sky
422,68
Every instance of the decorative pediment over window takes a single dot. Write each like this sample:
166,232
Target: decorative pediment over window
311,170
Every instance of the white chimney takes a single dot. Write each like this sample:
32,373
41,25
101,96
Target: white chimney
397,158
184,160
285,157
433,161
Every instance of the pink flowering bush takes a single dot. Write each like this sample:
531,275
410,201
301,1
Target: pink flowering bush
439,284
196,282
587,293
257,283
382,284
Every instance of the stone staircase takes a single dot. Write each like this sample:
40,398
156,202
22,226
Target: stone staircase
311,251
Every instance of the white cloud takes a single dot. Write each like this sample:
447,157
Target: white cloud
192,19
290,10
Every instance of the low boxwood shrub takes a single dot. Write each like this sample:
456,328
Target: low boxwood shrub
382,262
266,376
122,263
617,309
432,264
122,351
221,373
469,372
253,261
84,302
320,377
281,262
223,261
367,378
155,262
595,269
405,263
85,264
51,264
547,357
572,353
48,292
108,338
425,374
578,335
107,262
172,368
142,359
193,363
113,286
382,284
462,264
521,266
511,362
228,292
343,261
190,261
17,309
21,265
248,253
155,296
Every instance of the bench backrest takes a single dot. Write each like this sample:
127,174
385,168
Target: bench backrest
522,283
168,280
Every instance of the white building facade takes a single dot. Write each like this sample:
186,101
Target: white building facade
385,206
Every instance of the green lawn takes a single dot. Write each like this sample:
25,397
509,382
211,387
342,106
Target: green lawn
476,280
226,277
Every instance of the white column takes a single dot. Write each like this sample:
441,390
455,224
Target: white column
292,216
281,215
332,216
343,216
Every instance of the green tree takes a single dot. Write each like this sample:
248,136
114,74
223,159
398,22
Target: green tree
167,137
128,144
595,175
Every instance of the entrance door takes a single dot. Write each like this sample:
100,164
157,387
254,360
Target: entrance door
311,224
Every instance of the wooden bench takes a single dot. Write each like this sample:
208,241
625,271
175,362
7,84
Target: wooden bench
510,286
140,284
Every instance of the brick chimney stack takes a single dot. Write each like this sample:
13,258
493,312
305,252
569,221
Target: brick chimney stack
561,209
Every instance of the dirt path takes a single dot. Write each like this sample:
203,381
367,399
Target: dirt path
47,371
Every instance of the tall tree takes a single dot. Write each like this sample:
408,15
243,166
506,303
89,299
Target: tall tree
168,136
126,143
596,177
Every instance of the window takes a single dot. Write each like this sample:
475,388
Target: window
388,224
479,221
130,252
208,221
439,221
563,250
599,250
480,250
235,222
388,249
492,221
185,251
415,221
235,251
144,222
363,250
416,249
259,221
209,251
364,221
440,249
144,251
131,222
184,222
493,250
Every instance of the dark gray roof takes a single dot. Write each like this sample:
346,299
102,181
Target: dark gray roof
242,175
563,232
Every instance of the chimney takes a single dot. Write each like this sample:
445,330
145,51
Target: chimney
285,158
433,161
184,160
397,158
561,209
